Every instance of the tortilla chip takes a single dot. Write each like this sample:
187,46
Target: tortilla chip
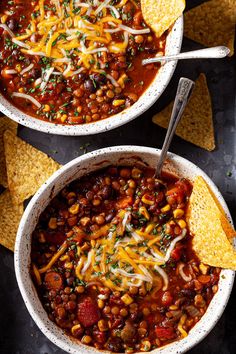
196,125
161,14
10,216
5,123
210,227
27,167
212,23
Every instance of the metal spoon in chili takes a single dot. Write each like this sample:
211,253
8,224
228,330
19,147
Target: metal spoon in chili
206,53
183,93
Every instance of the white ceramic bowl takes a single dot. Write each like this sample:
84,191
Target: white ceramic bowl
121,155
153,92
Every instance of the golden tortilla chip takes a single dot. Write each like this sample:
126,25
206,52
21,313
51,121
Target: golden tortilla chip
10,216
212,23
161,14
209,226
27,167
196,125
5,123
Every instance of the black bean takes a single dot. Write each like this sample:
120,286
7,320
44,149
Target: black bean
82,76
90,86
70,280
109,217
106,191
150,50
188,292
89,195
34,73
12,24
99,79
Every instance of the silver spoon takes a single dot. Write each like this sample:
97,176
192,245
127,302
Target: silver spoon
214,52
183,93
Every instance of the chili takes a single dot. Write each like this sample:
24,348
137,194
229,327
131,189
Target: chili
115,265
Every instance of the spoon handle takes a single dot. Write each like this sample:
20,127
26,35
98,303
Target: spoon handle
214,52
184,90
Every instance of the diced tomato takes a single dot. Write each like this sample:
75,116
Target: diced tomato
176,253
165,333
53,281
167,298
185,186
124,203
88,312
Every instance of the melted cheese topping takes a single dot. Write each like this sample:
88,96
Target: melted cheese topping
122,258
76,30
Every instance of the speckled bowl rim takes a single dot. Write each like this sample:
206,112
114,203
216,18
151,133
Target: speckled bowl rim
148,98
69,172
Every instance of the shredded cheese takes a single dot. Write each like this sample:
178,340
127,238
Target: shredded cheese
56,256
183,275
27,97
68,37
7,29
28,68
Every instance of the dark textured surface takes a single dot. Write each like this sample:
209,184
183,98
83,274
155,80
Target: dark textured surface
18,332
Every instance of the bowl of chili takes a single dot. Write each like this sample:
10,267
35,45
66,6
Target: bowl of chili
101,265
76,69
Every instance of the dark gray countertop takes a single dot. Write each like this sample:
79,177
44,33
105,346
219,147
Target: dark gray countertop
18,333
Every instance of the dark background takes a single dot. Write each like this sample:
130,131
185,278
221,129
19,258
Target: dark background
18,333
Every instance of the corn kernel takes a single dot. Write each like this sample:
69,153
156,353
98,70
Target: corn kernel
86,339
46,108
85,221
4,18
127,299
63,117
145,346
173,307
182,223
58,115
203,268
52,223
165,208
74,209
103,325
118,103
143,211
178,213
68,265
79,109
75,329
146,200
100,303
18,68
21,90
122,79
